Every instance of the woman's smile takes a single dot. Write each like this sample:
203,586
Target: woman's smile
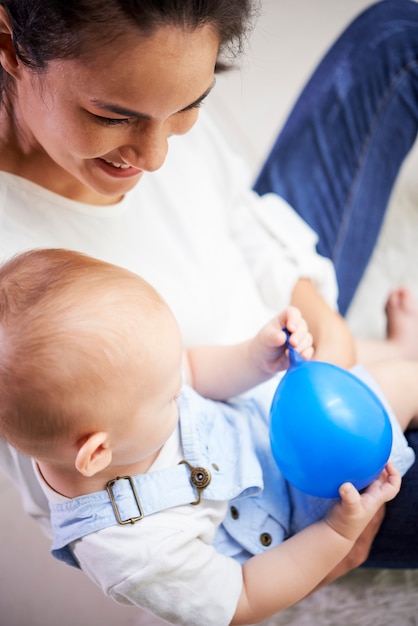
101,124
118,170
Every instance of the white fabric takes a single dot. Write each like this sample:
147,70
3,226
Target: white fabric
183,228
212,248
165,563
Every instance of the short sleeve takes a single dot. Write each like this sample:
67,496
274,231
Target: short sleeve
164,566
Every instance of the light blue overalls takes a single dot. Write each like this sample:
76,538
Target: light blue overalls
227,457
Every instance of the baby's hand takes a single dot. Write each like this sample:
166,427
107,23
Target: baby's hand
299,336
350,516
269,346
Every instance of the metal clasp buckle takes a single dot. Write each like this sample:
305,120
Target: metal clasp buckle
130,520
200,478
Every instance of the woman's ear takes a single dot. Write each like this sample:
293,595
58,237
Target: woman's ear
8,57
94,454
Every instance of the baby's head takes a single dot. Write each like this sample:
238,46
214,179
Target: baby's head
85,348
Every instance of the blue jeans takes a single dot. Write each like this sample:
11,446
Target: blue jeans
336,161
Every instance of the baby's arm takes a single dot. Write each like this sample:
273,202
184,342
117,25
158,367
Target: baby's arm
285,574
220,372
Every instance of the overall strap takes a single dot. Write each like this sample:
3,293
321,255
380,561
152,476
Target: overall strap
211,444
126,500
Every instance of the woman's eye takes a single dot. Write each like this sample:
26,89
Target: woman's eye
192,107
112,121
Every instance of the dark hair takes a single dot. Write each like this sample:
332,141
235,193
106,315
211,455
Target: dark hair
44,30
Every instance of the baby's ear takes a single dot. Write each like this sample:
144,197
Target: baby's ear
94,454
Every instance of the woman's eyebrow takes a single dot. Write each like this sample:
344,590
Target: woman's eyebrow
117,110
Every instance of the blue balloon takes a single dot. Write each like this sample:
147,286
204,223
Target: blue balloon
327,427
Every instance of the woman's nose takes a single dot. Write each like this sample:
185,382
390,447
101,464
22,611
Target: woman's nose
147,148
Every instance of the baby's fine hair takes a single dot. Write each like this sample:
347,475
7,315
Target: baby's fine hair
64,322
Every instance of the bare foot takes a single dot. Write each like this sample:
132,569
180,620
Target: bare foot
402,322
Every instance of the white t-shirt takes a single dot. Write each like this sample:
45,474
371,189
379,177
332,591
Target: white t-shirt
224,259
165,563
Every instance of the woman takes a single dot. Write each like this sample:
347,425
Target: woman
93,93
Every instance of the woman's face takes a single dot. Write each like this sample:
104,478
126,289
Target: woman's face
106,121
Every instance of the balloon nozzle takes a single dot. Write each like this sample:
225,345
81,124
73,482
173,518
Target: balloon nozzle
294,357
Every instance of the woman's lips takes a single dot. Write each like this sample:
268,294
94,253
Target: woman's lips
118,170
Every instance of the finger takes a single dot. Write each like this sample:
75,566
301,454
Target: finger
292,318
300,335
386,485
305,343
349,494
307,353
393,476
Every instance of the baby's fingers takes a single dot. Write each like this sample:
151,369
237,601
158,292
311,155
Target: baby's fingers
350,497
387,484
381,490
300,338
290,318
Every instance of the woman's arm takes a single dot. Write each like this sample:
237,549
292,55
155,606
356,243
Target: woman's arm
332,338
334,343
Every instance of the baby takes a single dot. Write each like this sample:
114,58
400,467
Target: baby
166,499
